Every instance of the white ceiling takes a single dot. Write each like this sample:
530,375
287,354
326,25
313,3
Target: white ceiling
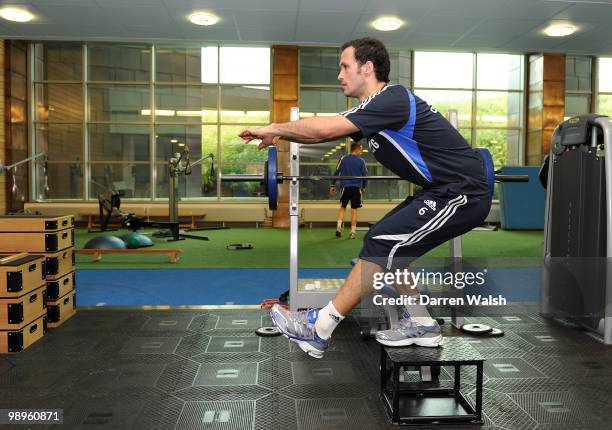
483,25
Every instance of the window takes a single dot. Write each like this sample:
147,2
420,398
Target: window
604,96
58,121
117,125
487,92
499,106
118,101
578,87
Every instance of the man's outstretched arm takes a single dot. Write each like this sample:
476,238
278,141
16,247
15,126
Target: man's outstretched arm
308,130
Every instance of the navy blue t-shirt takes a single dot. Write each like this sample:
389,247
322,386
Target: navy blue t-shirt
414,141
351,165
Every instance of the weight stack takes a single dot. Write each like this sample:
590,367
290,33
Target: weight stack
51,238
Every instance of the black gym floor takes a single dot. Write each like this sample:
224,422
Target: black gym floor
206,369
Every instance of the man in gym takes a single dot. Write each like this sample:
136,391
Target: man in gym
418,144
350,165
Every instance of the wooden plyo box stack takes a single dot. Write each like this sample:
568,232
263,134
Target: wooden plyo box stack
23,301
53,239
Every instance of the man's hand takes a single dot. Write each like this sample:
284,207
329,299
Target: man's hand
263,133
332,190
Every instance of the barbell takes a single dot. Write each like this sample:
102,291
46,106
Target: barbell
271,177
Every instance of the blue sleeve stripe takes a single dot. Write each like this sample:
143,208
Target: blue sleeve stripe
409,128
402,140
409,149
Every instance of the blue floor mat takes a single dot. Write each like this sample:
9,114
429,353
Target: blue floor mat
176,287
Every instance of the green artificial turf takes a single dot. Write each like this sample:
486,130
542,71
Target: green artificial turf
318,248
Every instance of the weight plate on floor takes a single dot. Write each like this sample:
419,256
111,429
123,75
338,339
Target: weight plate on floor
476,329
267,331
495,333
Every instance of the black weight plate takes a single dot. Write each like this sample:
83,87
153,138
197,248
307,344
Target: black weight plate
271,178
477,329
495,333
267,331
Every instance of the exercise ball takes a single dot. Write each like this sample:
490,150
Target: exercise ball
136,240
105,242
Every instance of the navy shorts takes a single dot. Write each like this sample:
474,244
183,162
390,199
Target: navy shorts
420,223
353,195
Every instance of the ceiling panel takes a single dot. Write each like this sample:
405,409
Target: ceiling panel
323,35
270,35
466,7
348,6
597,46
407,9
139,16
82,3
120,3
473,43
435,41
79,15
265,19
74,32
446,24
279,5
150,32
8,31
529,9
532,44
493,27
325,19
593,12
194,34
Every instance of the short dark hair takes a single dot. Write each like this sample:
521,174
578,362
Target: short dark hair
370,49
355,145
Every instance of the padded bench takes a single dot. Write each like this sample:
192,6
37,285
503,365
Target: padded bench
97,253
194,215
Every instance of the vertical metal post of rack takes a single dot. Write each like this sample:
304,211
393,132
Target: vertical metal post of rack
173,191
456,246
456,266
294,198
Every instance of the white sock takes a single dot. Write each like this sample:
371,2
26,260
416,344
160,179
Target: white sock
419,313
353,229
339,225
327,321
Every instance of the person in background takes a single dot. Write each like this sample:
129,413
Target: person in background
350,165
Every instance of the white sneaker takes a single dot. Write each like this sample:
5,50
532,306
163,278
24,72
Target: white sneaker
410,333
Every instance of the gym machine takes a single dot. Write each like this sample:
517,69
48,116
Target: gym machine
577,269
179,165
109,202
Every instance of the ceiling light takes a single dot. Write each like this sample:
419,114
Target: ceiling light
203,18
387,24
15,14
560,30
